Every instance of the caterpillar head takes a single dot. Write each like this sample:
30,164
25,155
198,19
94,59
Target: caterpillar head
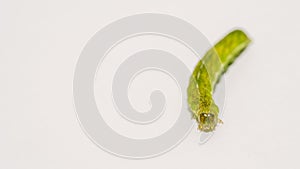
208,120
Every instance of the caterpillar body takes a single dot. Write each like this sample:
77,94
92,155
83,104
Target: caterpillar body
206,75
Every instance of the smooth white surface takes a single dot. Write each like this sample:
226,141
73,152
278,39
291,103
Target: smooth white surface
41,41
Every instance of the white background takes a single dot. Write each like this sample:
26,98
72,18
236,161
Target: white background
40,42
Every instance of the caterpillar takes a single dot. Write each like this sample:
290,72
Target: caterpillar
206,75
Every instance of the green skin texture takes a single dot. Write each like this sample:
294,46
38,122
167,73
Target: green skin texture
206,75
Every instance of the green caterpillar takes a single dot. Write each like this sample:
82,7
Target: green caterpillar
207,74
